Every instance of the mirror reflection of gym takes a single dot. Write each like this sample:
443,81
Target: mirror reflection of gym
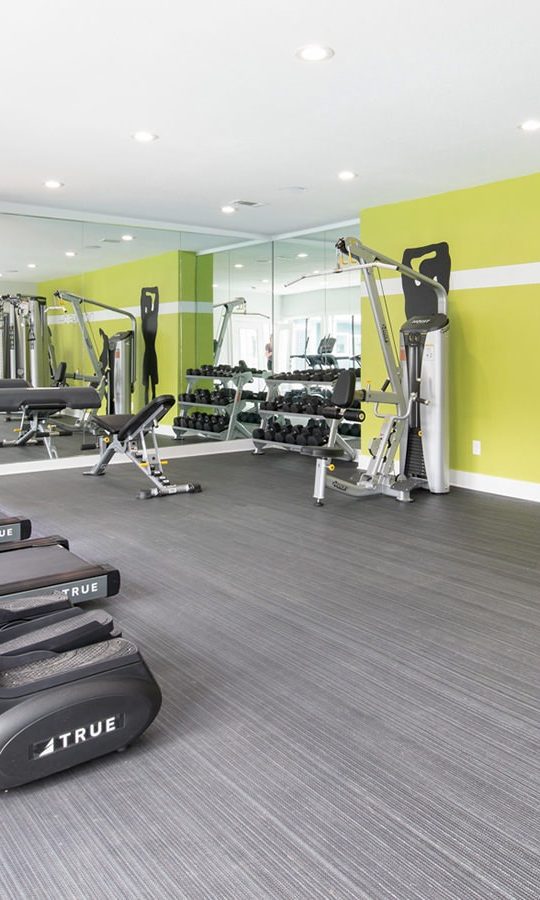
63,339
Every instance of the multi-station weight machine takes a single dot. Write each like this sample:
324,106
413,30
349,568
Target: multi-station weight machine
416,386
24,339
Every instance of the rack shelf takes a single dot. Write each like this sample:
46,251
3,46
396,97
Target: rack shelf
335,440
234,429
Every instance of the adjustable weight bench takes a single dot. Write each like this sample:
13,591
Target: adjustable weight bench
37,405
46,565
126,434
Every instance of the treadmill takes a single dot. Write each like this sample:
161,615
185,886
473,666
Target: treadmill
43,565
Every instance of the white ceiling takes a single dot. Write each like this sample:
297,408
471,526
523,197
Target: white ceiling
420,97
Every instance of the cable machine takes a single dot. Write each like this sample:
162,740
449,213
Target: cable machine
418,383
238,305
114,368
24,339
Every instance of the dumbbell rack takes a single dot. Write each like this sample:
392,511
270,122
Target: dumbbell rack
336,439
234,428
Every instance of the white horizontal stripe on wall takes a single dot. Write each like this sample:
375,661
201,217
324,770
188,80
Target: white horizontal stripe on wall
166,308
473,279
461,280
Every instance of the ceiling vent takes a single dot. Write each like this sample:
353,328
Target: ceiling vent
110,240
248,203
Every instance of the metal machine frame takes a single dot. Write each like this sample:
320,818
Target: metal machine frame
238,305
77,303
380,477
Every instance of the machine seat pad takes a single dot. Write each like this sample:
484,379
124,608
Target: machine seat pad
29,607
72,662
343,393
112,424
145,418
19,398
97,625
127,428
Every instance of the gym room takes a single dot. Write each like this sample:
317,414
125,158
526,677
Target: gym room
269,467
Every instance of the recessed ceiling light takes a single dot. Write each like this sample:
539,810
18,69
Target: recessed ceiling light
239,265
215,285
265,280
228,209
70,253
53,184
530,125
301,255
346,175
316,272
314,53
145,137
1,276
31,265
127,237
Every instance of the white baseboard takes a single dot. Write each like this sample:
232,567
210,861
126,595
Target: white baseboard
488,484
492,484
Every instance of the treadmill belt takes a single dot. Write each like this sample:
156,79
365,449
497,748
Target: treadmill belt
34,562
46,563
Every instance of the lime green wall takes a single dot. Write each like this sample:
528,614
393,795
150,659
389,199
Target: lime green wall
494,332
175,273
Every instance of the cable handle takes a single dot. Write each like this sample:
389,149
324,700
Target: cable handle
397,418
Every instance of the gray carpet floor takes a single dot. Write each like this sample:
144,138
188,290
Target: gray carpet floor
351,694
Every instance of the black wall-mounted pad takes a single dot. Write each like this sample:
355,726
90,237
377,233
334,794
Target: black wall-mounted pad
420,298
80,705
149,326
